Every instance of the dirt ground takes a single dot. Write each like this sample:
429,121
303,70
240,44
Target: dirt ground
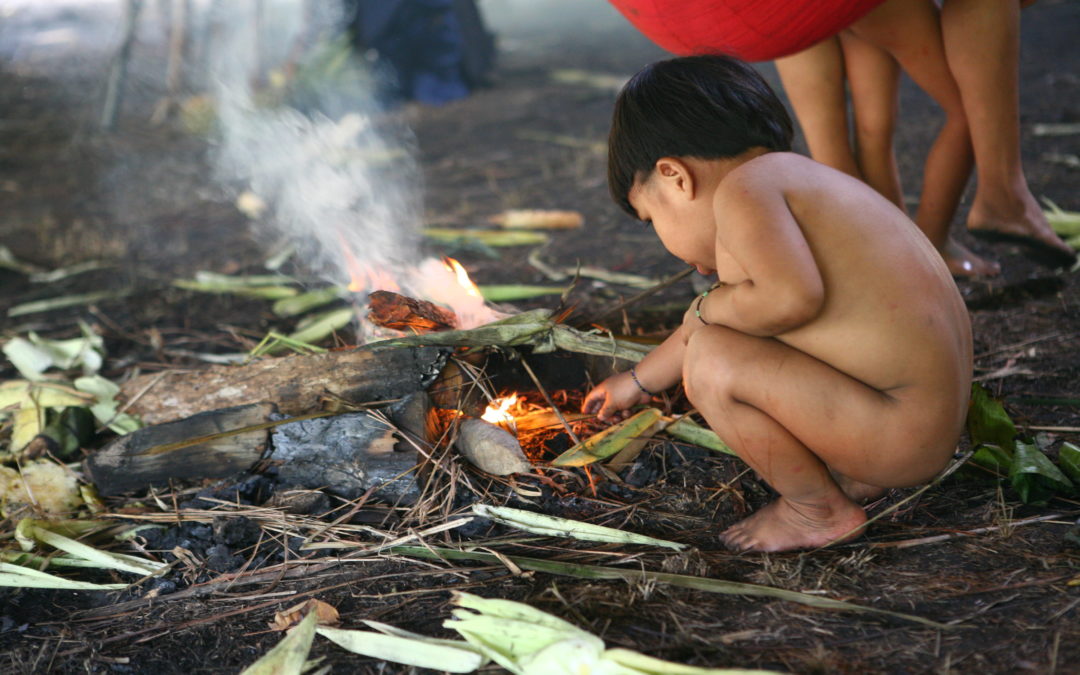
1003,575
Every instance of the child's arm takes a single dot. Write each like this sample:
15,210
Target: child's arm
660,369
784,288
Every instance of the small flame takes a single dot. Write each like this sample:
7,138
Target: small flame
462,277
363,278
498,411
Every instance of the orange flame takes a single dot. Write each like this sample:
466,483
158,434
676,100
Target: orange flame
364,278
462,277
498,411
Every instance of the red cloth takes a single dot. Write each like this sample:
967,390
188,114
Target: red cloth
752,30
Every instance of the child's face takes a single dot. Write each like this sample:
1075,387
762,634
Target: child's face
686,227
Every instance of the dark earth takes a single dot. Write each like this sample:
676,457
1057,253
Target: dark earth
1003,574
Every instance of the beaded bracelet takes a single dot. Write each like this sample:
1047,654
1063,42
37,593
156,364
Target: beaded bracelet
633,374
697,307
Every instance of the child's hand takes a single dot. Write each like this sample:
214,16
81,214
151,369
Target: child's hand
616,394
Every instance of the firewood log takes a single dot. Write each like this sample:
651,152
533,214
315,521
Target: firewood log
297,384
156,454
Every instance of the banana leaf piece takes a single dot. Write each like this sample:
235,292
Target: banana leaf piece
686,429
26,577
1034,476
552,526
611,440
1069,459
511,292
419,651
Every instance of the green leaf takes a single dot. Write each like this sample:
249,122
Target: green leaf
552,526
610,440
993,458
689,431
25,577
1034,476
511,292
1069,459
105,408
987,421
443,655
299,304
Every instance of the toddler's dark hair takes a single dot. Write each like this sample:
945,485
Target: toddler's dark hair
708,107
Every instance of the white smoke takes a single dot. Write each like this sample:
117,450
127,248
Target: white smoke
339,177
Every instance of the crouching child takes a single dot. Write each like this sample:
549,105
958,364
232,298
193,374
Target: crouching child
834,352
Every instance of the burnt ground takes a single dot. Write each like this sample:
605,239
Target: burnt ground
142,200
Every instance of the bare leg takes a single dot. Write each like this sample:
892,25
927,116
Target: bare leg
769,402
910,32
982,44
873,77
814,82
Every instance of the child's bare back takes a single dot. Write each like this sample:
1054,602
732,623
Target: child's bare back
835,354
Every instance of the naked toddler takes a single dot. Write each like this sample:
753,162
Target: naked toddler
834,355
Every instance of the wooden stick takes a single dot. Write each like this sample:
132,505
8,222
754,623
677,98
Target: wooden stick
640,296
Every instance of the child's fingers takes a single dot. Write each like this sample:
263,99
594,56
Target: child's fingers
593,401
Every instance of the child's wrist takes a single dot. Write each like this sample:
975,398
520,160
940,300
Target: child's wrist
701,300
633,376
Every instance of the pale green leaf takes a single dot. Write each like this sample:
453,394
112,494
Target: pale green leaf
611,440
552,526
25,577
442,655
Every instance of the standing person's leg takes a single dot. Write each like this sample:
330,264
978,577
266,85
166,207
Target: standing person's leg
814,82
909,30
873,78
982,44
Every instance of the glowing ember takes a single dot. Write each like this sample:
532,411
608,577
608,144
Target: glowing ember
498,411
462,277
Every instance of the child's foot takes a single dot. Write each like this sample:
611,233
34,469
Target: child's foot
1023,223
963,262
783,526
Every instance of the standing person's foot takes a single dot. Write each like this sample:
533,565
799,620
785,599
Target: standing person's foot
1024,223
964,263
784,526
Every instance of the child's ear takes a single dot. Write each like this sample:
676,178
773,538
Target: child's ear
675,173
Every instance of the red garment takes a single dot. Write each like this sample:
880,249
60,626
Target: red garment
752,30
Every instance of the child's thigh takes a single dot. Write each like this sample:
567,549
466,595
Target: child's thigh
855,429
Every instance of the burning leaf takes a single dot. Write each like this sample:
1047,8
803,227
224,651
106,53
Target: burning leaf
326,614
493,238
538,219
409,649
552,526
613,439
288,656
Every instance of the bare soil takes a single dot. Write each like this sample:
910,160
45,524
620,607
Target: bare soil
143,200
